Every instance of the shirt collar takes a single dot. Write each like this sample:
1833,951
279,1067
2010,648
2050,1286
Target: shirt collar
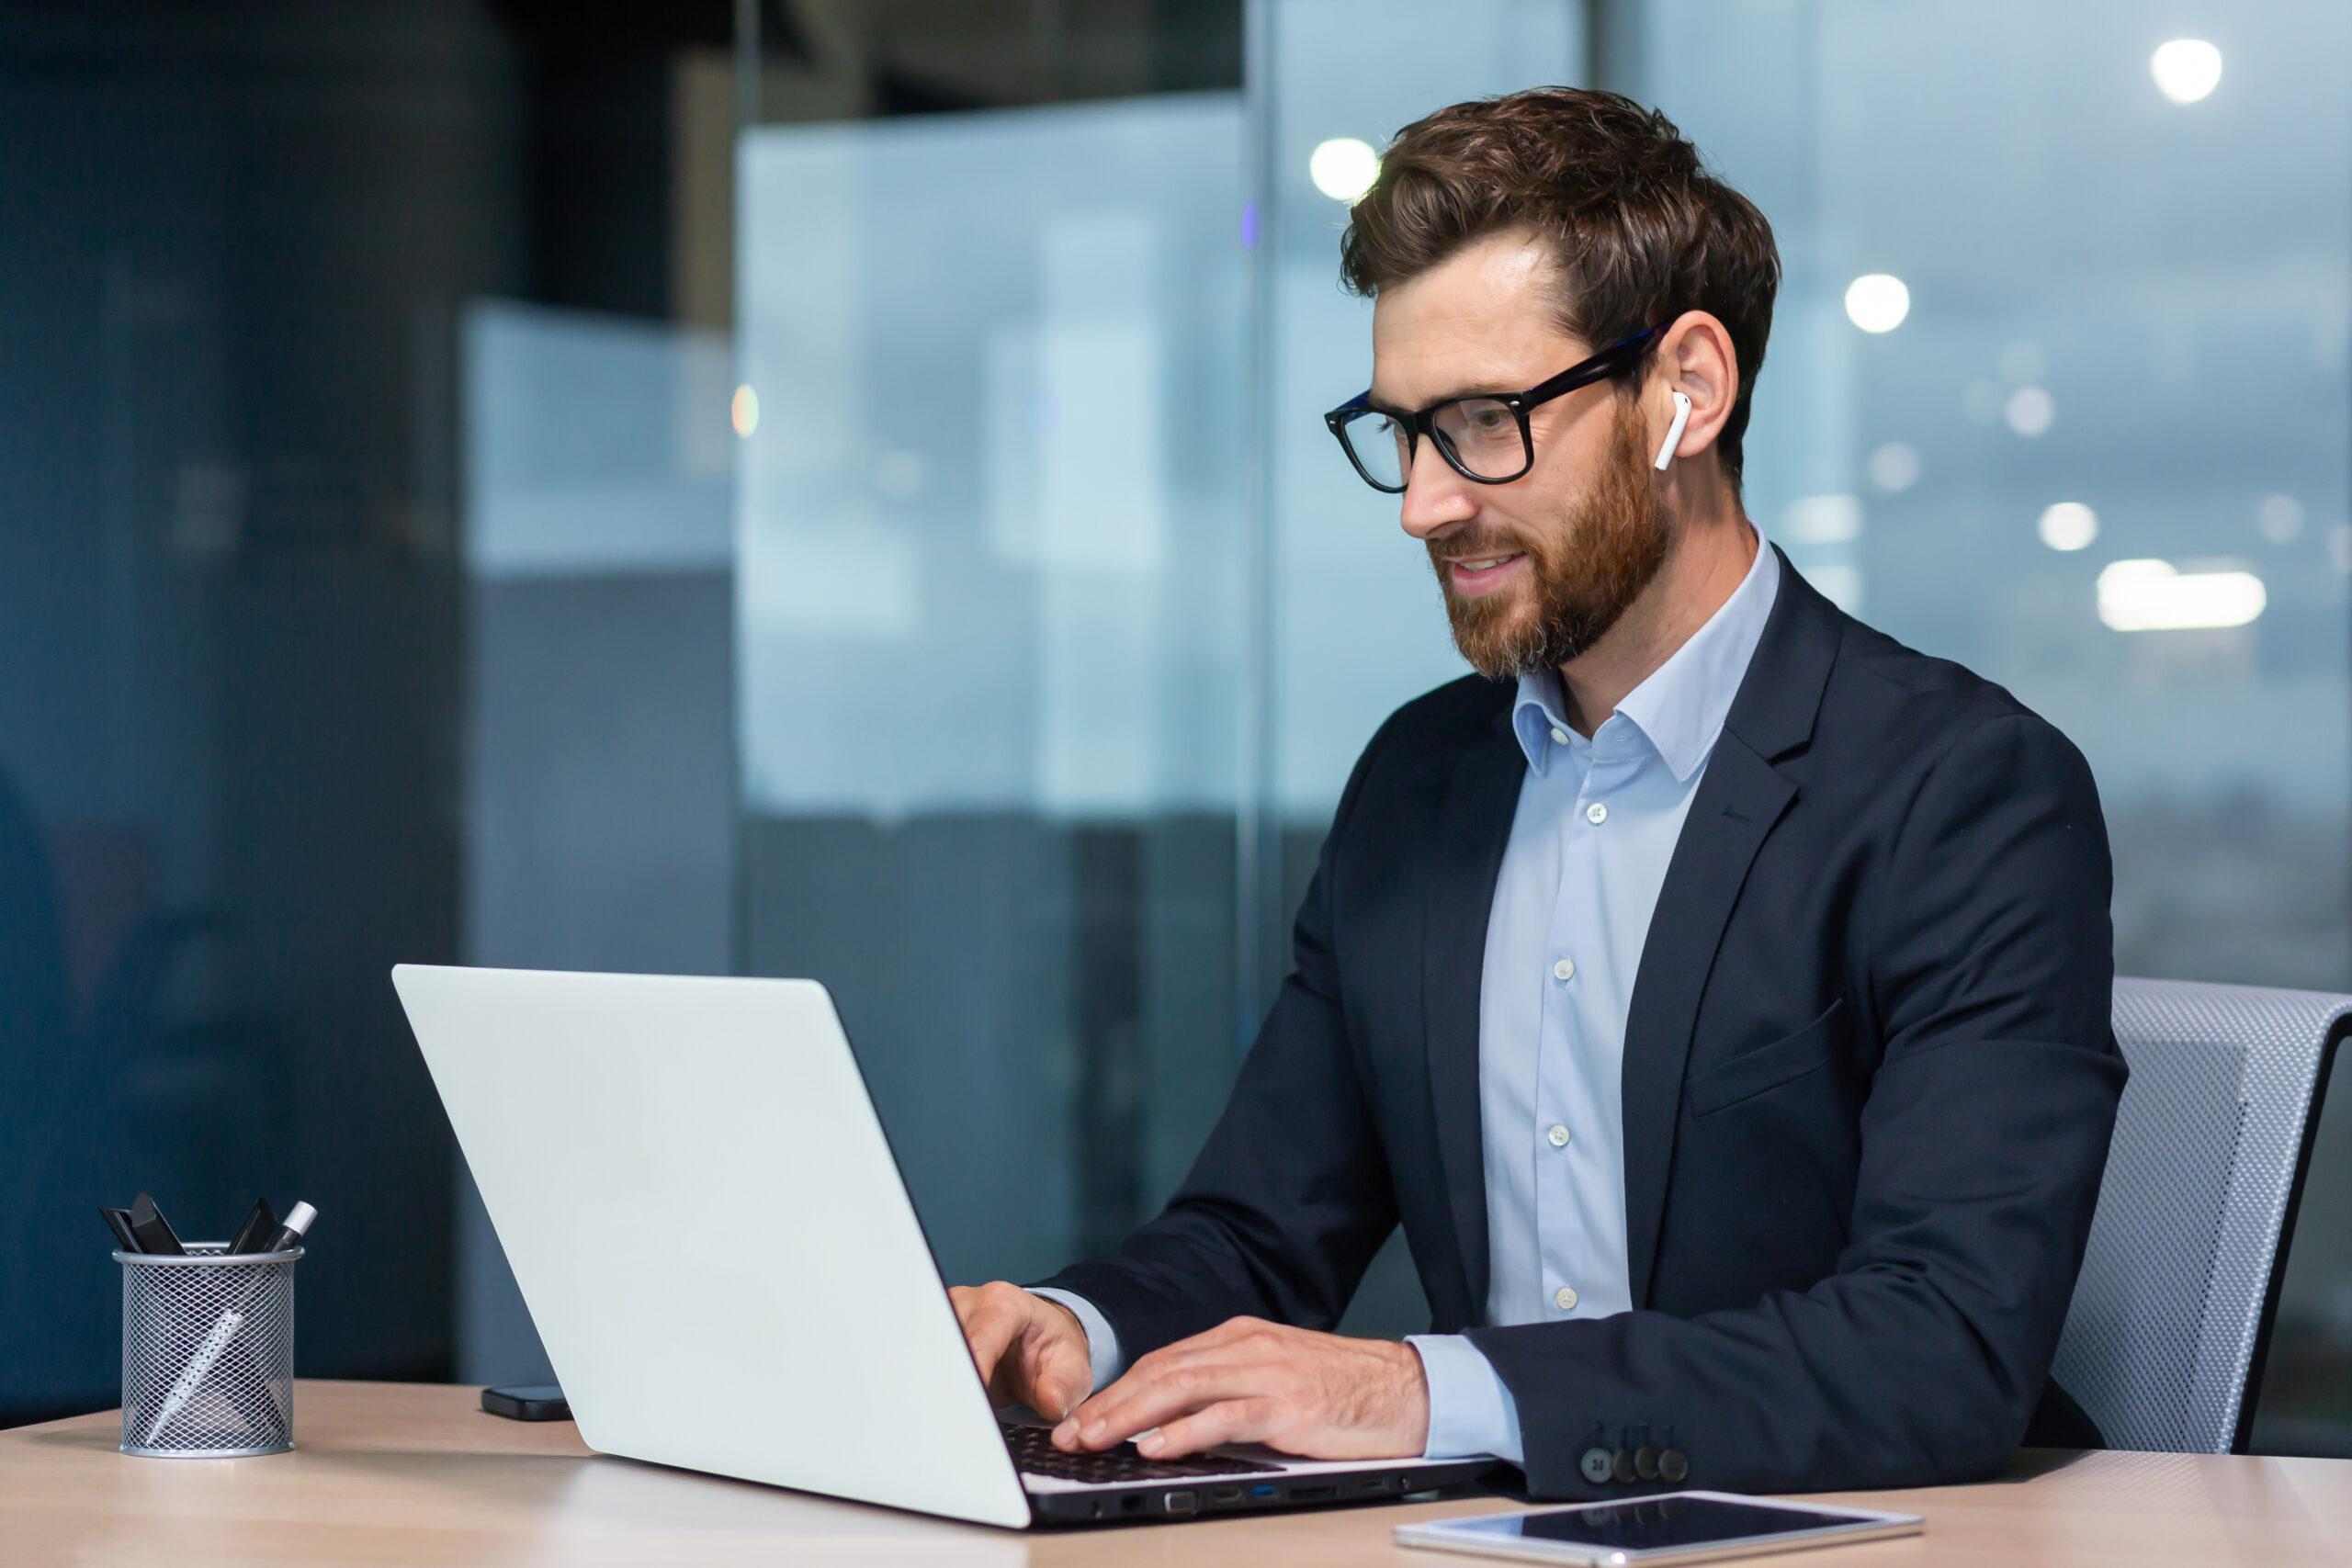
1679,708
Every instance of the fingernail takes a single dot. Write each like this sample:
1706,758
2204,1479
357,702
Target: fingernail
1066,1431
1150,1442
1094,1431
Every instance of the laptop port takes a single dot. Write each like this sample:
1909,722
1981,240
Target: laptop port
1225,1494
1181,1503
1132,1502
1312,1494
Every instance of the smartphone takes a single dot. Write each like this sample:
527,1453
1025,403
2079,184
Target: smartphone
1679,1527
528,1402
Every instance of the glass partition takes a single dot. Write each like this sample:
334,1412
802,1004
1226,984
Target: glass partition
990,496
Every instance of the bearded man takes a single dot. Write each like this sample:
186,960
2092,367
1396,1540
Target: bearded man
1716,990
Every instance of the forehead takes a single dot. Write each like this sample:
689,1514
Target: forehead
1481,321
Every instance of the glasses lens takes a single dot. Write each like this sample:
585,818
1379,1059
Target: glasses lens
1377,444
1484,436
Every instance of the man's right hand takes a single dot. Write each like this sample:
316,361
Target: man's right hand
1029,1350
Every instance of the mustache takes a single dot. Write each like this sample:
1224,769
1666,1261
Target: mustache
1481,548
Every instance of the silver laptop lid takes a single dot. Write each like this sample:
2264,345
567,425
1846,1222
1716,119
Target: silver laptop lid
710,1232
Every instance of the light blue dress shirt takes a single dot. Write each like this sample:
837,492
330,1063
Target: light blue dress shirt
1595,829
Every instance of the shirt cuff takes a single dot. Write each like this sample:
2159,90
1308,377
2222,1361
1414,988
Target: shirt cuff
1470,1410
1102,1340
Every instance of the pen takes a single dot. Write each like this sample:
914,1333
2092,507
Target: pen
206,1354
297,1222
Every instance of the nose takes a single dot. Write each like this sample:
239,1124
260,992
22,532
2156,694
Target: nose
1435,498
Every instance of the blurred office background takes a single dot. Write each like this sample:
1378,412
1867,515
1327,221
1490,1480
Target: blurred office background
835,487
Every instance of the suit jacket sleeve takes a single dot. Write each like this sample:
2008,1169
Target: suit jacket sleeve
1983,1135
1290,1196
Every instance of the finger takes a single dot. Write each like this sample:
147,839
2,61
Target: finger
1163,1398
1148,1372
1186,1358
1227,1421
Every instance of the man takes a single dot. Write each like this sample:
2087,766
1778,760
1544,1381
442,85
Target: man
1716,990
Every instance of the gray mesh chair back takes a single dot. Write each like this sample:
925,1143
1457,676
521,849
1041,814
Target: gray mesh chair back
2165,1339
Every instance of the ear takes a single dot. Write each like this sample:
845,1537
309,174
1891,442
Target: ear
1695,358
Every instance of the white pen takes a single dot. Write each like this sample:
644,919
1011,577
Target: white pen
206,1354
296,1225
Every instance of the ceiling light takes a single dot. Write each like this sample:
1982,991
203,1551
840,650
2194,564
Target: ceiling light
2030,410
2156,596
1343,168
1895,466
1824,519
1877,303
2068,525
2186,69
2280,518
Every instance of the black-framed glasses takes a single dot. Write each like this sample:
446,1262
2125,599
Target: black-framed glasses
1483,437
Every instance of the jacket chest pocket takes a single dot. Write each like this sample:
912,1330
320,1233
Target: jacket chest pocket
1767,1068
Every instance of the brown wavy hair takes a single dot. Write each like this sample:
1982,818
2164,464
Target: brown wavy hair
1638,229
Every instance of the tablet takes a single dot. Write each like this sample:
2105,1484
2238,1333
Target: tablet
1680,1527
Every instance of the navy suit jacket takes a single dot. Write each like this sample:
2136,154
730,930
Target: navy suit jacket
1869,1082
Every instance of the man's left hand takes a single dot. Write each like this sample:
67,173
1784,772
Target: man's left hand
1246,1381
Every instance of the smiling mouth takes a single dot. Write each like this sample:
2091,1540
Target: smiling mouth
1482,563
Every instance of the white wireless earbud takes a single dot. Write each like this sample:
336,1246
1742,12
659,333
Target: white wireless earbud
1674,430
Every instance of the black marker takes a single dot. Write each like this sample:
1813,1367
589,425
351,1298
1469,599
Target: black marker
258,1224
152,1231
119,1222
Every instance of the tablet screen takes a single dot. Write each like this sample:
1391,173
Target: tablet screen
1653,1525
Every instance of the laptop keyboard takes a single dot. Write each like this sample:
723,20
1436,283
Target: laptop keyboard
1033,1451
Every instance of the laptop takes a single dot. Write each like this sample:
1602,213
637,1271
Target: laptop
724,1266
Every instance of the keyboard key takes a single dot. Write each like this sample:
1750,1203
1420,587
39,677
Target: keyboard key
1033,1451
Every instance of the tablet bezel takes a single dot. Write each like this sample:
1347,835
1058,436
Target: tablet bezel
1841,1523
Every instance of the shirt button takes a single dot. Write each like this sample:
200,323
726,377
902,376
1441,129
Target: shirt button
1595,814
1559,1137
1566,969
1566,1298
1559,736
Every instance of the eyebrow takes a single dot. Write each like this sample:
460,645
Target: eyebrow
1373,396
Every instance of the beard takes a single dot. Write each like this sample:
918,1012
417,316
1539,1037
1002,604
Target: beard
1581,577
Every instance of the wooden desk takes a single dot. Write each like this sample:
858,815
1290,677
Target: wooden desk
415,1474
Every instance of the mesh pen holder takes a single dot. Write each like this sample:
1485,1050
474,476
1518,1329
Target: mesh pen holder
208,1352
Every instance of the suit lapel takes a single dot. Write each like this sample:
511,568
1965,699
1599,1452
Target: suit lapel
1740,797
1473,828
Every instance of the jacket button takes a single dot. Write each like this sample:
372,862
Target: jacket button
1673,1465
1646,1462
1597,1465
1621,1465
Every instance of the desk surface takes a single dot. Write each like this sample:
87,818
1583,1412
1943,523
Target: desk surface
416,1473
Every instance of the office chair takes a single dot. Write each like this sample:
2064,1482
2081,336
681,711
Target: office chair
2165,1341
